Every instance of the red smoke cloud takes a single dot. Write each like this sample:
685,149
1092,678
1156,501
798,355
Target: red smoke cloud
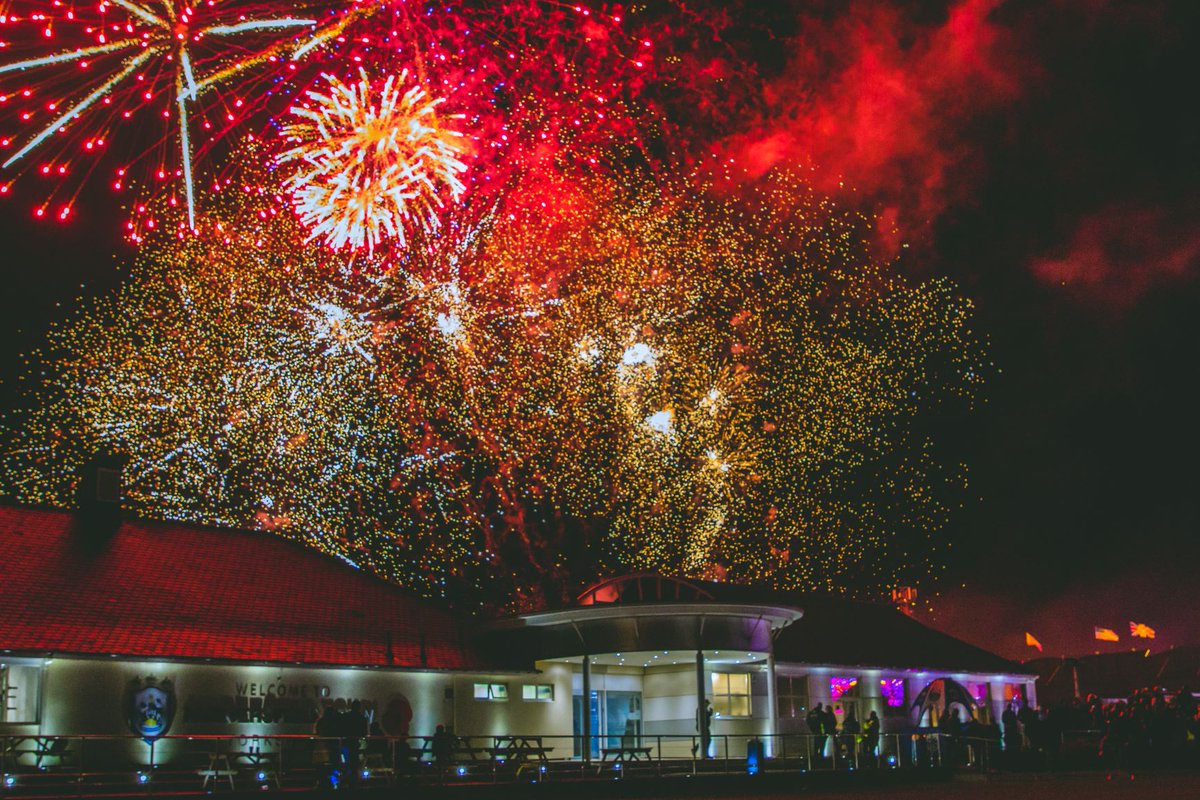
1064,620
1118,252
883,105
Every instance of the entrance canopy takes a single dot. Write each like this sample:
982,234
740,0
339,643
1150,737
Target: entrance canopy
646,614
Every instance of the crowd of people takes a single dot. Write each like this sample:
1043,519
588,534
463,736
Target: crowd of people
1151,728
343,729
853,741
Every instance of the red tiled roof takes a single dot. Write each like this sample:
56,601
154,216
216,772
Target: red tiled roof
171,590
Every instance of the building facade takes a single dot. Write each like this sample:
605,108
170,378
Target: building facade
158,629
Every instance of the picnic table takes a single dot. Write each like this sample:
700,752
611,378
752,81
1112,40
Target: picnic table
38,747
218,768
462,747
624,753
223,766
265,766
518,749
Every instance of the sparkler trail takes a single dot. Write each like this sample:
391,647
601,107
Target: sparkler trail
165,38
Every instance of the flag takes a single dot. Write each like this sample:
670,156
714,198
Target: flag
1032,642
1141,631
1107,635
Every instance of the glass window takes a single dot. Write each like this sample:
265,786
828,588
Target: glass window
491,691
791,693
982,693
537,691
731,694
1014,694
19,693
892,691
842,686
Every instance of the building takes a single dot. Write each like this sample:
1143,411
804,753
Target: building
151,628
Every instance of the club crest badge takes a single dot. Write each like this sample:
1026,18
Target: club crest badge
150,706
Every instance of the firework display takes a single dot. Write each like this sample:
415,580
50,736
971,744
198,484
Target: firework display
537,84
675,381
110,61
370,164
467,309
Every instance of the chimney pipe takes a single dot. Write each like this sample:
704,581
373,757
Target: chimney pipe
99,494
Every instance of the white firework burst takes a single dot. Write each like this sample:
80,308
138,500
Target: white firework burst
371,164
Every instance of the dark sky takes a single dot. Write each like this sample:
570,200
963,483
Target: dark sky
1046,155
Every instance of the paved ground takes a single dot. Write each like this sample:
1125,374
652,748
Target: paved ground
862,786
1089,786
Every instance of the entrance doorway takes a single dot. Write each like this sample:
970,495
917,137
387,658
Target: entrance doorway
616,720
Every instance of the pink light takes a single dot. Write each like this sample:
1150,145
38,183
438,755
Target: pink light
839,686
893,691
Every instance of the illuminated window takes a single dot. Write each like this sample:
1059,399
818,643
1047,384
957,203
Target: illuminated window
792,696
1014,694
731,694
982,692
892,690
843,686
537,691
19,693
491,691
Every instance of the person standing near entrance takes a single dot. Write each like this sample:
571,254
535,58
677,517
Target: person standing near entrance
442,746
850,730
871,737
1012,734
816,726
829,727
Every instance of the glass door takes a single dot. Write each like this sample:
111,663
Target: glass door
623,719
616,721
596,717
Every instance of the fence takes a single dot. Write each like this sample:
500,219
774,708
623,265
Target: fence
99,764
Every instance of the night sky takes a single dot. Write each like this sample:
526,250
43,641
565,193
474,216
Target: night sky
1046,156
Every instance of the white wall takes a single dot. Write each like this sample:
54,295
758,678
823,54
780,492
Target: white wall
669,707
88,696
515,715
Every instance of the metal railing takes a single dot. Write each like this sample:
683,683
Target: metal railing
121,764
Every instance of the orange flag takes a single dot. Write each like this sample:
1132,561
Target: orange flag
1032,642
1140,630
1107,635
